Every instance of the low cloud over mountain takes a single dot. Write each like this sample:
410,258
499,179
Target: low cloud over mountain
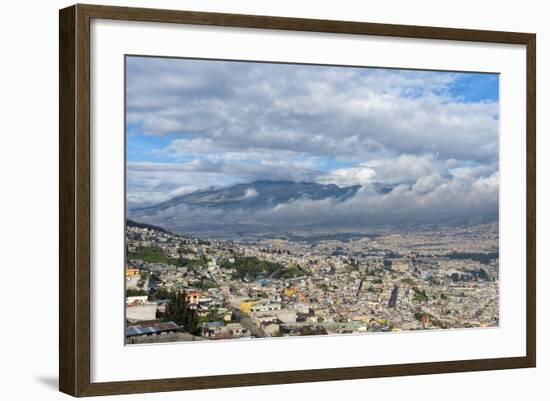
281,206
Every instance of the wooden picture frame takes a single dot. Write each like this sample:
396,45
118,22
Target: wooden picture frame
74,199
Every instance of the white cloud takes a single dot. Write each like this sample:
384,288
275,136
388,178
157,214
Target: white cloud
250,193
324,111
359,175
431,199
241,122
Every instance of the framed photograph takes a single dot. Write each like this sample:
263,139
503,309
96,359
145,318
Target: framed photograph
250,200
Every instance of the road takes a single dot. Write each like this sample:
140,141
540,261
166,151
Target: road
248,324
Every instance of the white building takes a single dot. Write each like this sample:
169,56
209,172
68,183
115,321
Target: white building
136,313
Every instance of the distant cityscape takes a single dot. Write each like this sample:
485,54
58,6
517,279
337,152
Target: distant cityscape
182,288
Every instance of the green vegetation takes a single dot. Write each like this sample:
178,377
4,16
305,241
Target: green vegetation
433,321
312,331
484,258
443,296
419,296
408,281
178,311
291,272
439,323
377,281
159,293
193,264
151,254
132,292
131,223
419,315
352,264
206,284
156,255
212,316
226,264
480,274
142,279
251,268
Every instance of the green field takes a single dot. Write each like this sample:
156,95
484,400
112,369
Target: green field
152,255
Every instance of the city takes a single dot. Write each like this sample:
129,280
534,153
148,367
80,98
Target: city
182,288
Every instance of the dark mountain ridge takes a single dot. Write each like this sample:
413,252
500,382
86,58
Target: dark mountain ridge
255,196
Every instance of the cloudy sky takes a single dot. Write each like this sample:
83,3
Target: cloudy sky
192,124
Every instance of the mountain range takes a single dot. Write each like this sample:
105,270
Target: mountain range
267,207
255,196
237,207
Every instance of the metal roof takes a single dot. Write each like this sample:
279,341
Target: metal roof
214,324
140,330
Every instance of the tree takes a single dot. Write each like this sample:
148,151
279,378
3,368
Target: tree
419,295
213,315
132,292
179,312
160,293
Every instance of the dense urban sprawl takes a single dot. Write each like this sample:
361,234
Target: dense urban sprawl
182,288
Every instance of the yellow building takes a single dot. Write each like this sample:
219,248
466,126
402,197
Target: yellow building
289,292
362,318
246,306
132,272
